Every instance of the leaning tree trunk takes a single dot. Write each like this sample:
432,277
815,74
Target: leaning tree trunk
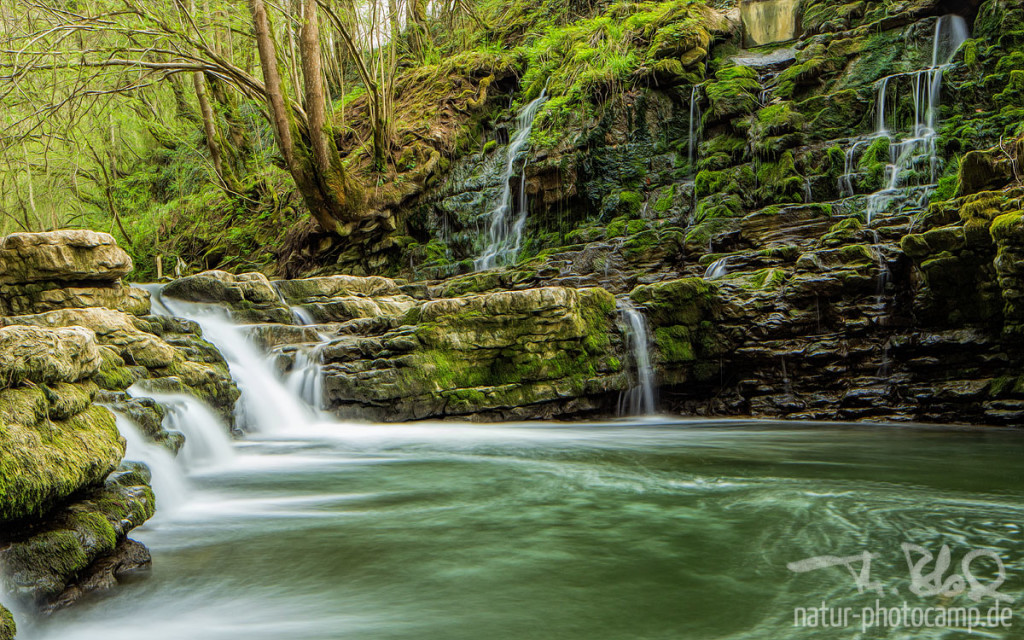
213,139
334,199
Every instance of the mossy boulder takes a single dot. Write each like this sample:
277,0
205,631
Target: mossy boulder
45,460
249,296
40,563
983,171
1008,232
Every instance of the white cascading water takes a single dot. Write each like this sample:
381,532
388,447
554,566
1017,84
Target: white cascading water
303,315
306,379
168,479
505,232
207,443
717,269
639,400
266,404
846,188
950,33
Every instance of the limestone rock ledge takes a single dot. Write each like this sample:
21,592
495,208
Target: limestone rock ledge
62,509
65,269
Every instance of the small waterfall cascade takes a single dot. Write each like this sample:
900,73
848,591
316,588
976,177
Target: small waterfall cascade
303,316
919,149
300,314
507,220
169,483
640,399
266,404
207,443
846,188
717,269
695,128
306,380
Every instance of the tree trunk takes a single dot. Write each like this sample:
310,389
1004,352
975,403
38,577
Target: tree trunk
416,25
333,197
312,73
224,173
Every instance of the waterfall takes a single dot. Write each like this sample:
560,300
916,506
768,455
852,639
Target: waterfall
638,400
168,481
266,404
303,316
306,380
768,21
505,233
717,269
846,187
695,116
950,33
883,90
207,443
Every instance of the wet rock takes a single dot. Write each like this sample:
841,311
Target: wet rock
537,352
249,296
40,562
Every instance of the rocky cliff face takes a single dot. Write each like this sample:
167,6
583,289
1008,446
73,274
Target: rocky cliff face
73,338
826,227
856,191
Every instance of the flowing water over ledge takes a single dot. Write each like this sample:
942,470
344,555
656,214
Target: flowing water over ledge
643,529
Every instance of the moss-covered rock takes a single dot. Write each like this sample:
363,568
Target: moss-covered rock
43,460
7,627
249,296
39,563
481,354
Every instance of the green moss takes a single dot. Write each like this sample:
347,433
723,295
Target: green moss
674,344
7,627
843,232
665,201
1009,228
43,461
873,163
733,93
